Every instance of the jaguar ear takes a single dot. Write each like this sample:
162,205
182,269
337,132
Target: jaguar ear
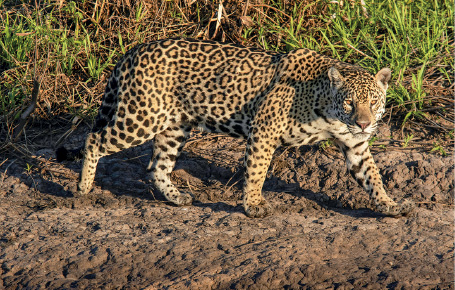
336,80
383,77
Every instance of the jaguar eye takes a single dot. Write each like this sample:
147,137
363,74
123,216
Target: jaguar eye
349,102
373,102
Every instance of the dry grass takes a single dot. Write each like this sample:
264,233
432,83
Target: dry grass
112,28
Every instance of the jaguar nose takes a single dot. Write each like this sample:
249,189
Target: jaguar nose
363,124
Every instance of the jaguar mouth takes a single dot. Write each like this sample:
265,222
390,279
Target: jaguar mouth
359,132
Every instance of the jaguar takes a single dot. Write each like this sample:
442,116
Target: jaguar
161,90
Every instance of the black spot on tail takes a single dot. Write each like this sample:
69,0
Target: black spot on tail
63,154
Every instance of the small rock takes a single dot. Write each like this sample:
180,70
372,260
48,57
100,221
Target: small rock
390,220
367,227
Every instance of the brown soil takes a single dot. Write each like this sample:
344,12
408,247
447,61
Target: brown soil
323,234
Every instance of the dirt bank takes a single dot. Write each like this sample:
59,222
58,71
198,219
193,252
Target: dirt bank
322,235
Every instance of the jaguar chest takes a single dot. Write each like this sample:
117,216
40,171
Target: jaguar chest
308,133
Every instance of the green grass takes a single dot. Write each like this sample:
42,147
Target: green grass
407,139
413,38
74,46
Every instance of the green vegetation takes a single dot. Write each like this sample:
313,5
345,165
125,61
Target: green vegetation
324,145
71,46
372,140
438,148
407,139
413,38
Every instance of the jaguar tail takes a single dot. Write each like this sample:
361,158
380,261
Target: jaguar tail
69,155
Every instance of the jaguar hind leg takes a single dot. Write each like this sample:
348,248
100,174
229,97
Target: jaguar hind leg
167,147
103,142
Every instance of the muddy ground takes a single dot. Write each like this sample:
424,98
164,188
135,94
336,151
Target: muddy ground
323,234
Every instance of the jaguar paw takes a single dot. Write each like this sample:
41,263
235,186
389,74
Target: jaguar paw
406,207
401,208
82,190
258,211
183,199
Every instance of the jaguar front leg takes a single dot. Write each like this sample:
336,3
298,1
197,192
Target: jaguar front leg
259,152
364,170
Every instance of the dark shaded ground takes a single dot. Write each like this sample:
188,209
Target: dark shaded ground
322,236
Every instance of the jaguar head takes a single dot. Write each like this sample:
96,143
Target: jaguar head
359,98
